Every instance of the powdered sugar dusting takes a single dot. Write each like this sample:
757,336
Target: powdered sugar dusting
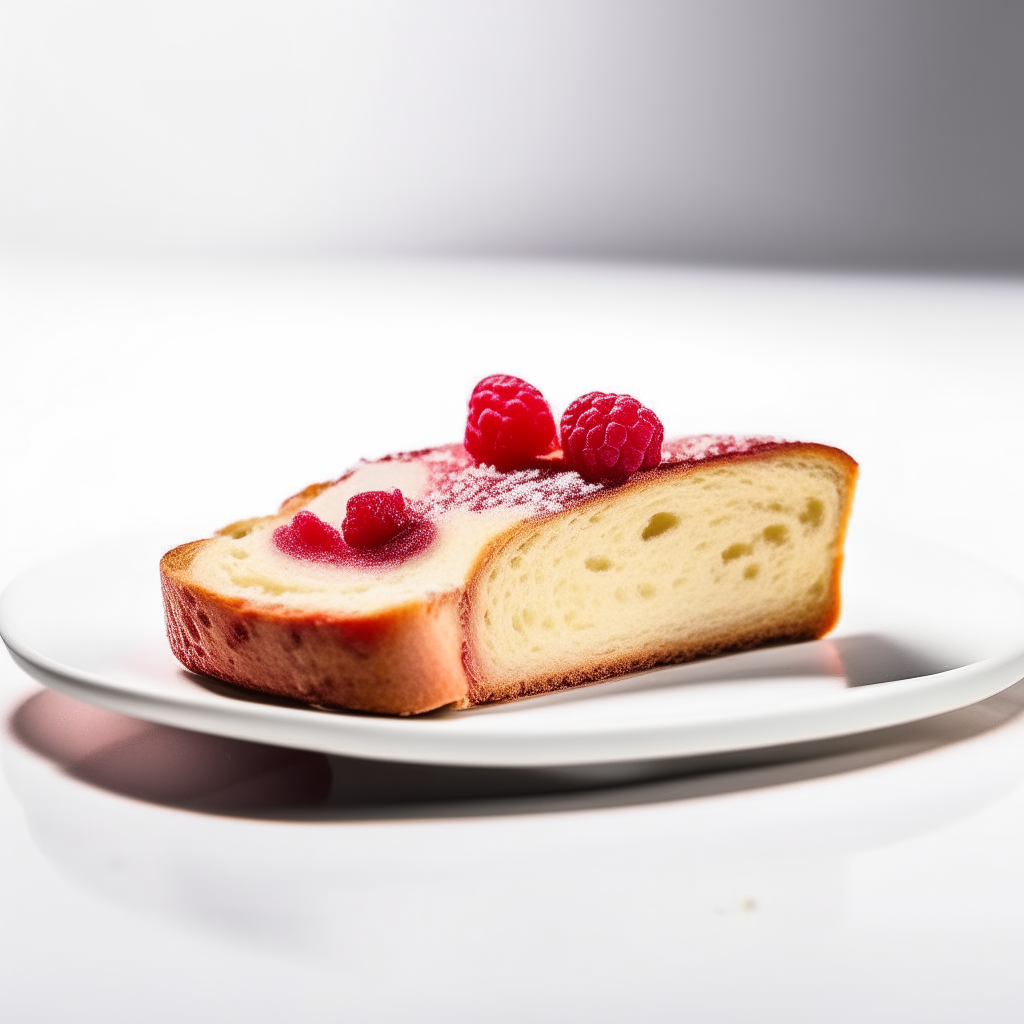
700,447
457,482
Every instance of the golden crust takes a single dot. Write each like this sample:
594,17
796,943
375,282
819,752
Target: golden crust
416,657
404,661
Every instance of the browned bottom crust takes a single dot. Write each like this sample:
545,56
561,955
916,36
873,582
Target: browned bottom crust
405,661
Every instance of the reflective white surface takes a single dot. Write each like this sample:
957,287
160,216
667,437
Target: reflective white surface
147,873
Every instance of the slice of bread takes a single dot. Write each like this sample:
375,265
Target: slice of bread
532,581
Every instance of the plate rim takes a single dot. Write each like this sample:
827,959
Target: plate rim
439,741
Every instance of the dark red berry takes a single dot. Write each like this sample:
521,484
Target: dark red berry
308,536
607,438
374,517
509,423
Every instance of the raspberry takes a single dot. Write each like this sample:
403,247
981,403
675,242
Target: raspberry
308,536
509,423
607,438
374,517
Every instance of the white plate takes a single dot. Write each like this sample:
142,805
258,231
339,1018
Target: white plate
923,631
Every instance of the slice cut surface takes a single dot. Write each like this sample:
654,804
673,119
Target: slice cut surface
534,580
686,564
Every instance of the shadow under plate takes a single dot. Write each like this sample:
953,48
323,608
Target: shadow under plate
197,771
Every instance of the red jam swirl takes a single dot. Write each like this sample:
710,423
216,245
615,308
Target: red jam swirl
308,537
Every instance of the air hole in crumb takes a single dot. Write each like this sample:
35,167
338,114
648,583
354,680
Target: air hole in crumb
659,523
813,512
645,590
598,564
735,551
776,534
751,571
516,562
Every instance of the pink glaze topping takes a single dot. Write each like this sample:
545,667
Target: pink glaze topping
456,482
701,447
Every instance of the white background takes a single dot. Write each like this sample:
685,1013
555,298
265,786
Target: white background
190,331
883,132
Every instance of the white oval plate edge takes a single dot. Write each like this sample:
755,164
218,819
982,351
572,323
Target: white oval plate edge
486,741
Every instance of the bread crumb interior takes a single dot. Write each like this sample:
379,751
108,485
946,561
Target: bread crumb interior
731,550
